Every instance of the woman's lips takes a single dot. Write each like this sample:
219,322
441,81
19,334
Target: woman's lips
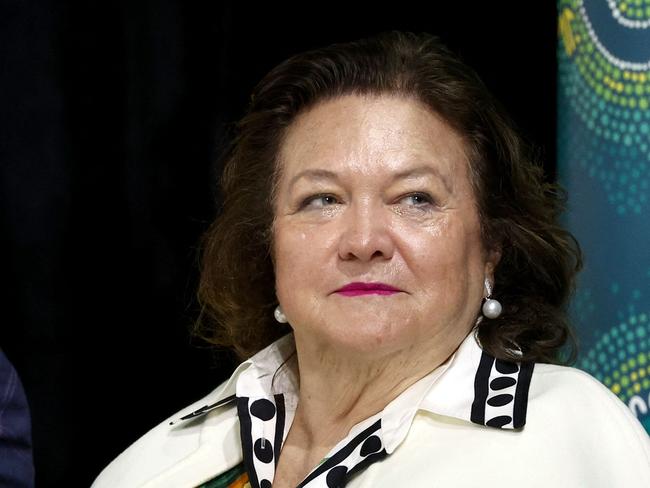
354,293
358,288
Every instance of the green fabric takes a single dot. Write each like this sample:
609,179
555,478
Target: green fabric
224,479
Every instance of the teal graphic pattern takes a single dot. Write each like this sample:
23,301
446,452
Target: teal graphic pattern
604,162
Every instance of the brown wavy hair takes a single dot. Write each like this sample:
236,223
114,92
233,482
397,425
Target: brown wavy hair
518,209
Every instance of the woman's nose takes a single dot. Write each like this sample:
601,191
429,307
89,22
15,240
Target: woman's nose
365,234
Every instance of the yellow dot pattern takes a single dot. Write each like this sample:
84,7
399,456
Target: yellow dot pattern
613,108
624,88
621,357
634,9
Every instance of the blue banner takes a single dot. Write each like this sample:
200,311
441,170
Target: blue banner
603,161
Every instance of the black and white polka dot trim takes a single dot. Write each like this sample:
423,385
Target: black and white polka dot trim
262,429
364,449
501,393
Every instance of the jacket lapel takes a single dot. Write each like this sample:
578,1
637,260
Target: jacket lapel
219,440
219,450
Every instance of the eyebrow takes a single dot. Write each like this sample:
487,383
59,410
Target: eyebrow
416,172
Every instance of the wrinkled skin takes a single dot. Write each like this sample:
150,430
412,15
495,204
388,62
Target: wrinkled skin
397,208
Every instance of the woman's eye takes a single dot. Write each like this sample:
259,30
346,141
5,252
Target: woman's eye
319,201
418,199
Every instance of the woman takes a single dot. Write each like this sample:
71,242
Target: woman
389,256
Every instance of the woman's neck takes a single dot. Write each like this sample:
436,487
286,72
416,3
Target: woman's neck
339,389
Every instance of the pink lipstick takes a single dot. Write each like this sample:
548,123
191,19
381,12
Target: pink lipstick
358,288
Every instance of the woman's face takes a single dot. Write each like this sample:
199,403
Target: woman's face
377,190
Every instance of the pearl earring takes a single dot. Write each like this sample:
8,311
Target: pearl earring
279,315
491,307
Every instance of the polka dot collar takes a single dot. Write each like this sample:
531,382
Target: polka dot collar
471,386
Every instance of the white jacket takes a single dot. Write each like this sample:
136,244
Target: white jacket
576,433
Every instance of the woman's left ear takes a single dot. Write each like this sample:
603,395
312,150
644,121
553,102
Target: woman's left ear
493,258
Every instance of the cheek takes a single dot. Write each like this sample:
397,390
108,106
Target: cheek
298,253
444,255
287,250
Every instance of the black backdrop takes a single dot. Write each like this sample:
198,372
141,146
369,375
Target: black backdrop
111,115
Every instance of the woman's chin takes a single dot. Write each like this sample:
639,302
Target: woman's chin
370,341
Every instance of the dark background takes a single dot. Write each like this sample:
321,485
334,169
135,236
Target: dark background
111,118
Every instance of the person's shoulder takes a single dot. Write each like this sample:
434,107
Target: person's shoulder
574,390
16,466
552,383
166,444
576,432
571,399
551,376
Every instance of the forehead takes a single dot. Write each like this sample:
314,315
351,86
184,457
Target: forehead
370,135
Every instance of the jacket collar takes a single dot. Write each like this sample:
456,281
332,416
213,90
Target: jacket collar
471,385
255,376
